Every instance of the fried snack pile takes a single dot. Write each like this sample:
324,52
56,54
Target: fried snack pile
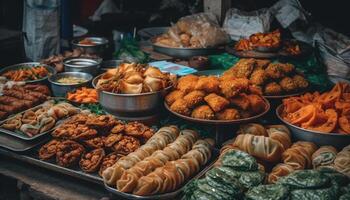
267,40
211,97
196,31
19,98
40,119
95,142
26,74
83,95
327,113
134,79
87,42
271,78
291,48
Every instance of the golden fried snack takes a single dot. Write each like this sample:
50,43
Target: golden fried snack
102,122
300,81
216,102
254,89
126,145
173,96
253,129
111,139
257,103
194,98
228,114
95,143
274,71
278,171
139,130
108,161
258,77
262,63
241,101
203,112
48,150
180,106
232,87
118,128
243,68
83,132
187,83
90,162
288,84
68,153
287,68
273,89
208,83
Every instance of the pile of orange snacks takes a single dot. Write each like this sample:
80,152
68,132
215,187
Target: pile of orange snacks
327,113
267,40
291,48
83,95
26,74
87,41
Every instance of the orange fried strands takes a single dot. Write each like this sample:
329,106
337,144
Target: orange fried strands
328,112
26,74
83,95
269,40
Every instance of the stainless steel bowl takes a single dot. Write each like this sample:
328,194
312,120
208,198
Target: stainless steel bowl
110,64
86,65
131,105
184,52
28,65
99,46
321,139
61,89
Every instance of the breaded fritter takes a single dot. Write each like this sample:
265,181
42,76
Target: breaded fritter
228,114
180,106
208,83
257,103
232,87
273,89
288,84
258,77
203,112
187,83
300,81
243,68
274,71
262,63
216,102
173,96
241,101
194,98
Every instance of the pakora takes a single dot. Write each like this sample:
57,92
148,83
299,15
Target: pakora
228,114
173,96
208,84
216,102
194,98
203,112
180,106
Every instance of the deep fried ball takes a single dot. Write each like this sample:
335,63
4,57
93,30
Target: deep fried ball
216,102
208,83
300,81
288,84
194,98
203,112
273,89
228,114
180,106
232,87
187,83
274,71
173,96
258,77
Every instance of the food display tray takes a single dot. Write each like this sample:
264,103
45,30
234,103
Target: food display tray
166,196
19,145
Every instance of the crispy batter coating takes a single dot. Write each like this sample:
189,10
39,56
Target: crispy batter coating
194,98
241,101
254,89
232,87
273,89
203,112
208,84
90,161
228,114
180,106
68,153
300,81
216,102
274,71
172,96
262,63
287,68
126,145
258,77
243,68
187,83
48,150
257,104
288,84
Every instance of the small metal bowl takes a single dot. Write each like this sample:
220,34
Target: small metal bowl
28,65
61,89
85,65
321,139
110,64
99,47
131,105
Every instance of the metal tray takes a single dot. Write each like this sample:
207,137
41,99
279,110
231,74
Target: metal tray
184,52
250,54
321,139
50,69
18,145
166,196
220,122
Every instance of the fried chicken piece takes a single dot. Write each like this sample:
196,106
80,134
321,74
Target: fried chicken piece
48,150
126,145
275,71
288,84
232,87
258,77
257,103
241,101
272,89
187,83
243,68
216,102
208,84
180,106
262,63
300,81
90,162
203,112
173,96
68,153
228,114
194,98
95,143
108,161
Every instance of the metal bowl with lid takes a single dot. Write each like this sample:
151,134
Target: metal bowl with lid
61,89
98,45
86,65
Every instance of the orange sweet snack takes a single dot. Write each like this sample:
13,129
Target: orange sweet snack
83,95
328,112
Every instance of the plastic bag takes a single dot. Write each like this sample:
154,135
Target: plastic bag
240,24
130,52
195,31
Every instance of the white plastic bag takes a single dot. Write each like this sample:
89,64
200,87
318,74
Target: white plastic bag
240,24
